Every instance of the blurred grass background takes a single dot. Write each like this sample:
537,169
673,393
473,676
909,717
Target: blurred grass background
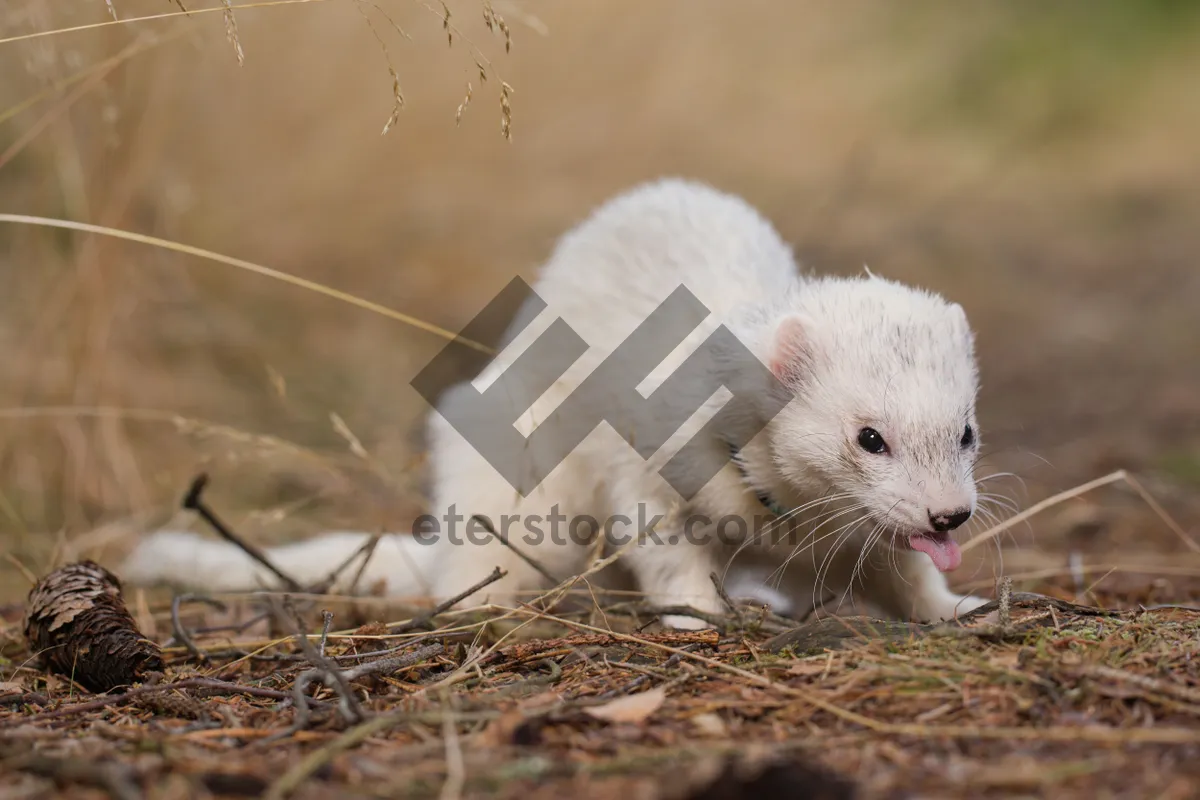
1040,163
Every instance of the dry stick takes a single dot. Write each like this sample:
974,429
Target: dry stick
192,501
381,653
323,669
394,663
369,550
1037,508
234,628
1119,475
1061,733
327,616
180,631
367,547
1169,607
725,598
1175,527
387,664
545,573
425,620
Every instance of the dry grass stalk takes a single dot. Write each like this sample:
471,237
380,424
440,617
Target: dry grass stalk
231,32
248,266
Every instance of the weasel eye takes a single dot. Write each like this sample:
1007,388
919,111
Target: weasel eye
870,440
968,438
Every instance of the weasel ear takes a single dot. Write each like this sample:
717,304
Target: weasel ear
790,350
960,321
960,316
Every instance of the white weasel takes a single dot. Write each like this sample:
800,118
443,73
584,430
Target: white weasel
870,462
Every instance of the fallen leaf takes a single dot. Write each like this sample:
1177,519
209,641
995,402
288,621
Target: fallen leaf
710,724
635,708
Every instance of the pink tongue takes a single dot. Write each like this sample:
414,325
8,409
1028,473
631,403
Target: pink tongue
944,552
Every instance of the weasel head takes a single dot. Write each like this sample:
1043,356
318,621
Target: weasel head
883,381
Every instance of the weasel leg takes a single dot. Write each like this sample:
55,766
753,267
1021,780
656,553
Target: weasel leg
673,571
913,588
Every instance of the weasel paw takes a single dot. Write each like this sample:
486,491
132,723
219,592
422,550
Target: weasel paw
967,604
953,607
684,623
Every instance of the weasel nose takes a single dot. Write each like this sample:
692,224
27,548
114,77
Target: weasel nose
949,520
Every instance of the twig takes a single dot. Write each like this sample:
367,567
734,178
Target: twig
378,653
323,670
238,627
725,598
1031,599
1157,508
177,626
1037,508
370,548
367,547
425,620
1113,477
192,501
327,616
328,673
545,573
393,663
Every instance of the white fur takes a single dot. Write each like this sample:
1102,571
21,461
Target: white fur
856,352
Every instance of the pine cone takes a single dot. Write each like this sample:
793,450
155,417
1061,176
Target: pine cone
77,623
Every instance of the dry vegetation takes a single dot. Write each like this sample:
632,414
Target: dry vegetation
1052,698
1037,165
